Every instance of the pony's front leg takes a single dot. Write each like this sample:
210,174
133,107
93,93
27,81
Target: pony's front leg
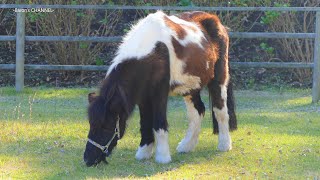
160,126
145,149
195,112
162,146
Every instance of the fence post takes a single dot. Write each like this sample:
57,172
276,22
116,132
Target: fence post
316,62
20,44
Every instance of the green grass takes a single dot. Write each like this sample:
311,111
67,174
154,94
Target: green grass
43,134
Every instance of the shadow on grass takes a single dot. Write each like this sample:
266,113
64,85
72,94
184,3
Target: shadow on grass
51,158
56,158
52,161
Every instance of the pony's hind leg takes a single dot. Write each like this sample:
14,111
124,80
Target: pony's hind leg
218,92
195,113
145,149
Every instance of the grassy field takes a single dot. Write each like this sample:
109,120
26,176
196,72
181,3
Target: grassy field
43,134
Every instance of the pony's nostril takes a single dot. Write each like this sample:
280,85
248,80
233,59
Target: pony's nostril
96,162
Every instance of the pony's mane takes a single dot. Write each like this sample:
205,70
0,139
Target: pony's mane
141,39
96,111
112,97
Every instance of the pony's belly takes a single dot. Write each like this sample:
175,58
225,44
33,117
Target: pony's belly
184,85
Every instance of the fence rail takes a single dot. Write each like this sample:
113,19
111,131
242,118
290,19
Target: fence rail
167,8
105,68
270,35
20,39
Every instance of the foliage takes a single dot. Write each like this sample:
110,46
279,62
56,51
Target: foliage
271,16
7,25
185,3
43,135
298,50
268,49
66,22
99,61
98,23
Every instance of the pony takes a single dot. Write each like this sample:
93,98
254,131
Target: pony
163,55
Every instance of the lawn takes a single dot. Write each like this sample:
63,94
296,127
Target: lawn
43,134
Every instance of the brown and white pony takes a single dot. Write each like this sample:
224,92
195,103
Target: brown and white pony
163,55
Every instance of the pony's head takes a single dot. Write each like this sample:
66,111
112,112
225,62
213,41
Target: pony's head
107,114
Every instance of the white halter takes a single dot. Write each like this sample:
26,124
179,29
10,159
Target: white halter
104,149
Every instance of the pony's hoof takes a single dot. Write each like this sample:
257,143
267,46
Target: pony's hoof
225,142
224,147
144,152
185,147
163,159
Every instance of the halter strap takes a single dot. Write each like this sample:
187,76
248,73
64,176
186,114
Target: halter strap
104,149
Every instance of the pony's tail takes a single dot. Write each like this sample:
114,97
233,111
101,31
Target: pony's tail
218,34
230,104
231,108
211,104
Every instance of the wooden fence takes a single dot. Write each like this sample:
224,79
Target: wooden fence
20,39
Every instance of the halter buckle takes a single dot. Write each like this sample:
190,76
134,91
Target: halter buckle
105,150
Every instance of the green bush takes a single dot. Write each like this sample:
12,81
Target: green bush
69,22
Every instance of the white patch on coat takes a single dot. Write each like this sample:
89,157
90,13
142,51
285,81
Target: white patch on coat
194,34
162,147
144,152
186,81
191,139
224,94
222,116
142,38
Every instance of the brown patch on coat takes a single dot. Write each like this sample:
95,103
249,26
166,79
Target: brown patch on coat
218,35
181,32
215,32
199,61
208,22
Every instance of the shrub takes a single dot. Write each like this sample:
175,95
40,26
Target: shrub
298,50
69,22
7,25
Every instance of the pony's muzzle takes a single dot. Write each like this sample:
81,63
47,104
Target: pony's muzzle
102,158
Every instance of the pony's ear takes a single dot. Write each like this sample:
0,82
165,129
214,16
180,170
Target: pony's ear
91,97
